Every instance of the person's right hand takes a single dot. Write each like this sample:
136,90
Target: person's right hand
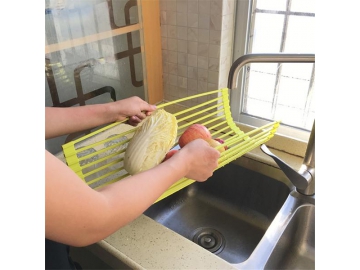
201,159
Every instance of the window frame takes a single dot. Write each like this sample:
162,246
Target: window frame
242,42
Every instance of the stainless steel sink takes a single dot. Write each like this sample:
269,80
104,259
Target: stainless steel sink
228,214
289,242
296,246
248,219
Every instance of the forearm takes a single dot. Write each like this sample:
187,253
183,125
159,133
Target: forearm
62,121
129,198
78,215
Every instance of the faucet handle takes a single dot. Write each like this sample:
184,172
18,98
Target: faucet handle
299,179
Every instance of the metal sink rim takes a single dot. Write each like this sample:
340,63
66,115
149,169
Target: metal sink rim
262,253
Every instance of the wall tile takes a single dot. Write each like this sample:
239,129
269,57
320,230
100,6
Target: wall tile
213,77
213,64
164,43
192,102
203,62
173,68
211,87
193,6
192,60
214,51
171,31
216,7
165,67
181,19
192,84
192,73
165,54
182,46
202,99
192,34
172,79
172,57
182,82
166,78
204,6
171,17
215,37
173,91
182,5
192,47
204,35
182,33
182,59
171,5
163,17
182,70
167,96
162,4
202,75
196,46
215,22
202,86
204,21
193,20
203,49
183,92
172,44
164,31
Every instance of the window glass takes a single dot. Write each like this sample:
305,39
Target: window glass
300,36
267,33
271,4
88,58
279,91
302,5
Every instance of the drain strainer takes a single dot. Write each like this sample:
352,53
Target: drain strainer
210,239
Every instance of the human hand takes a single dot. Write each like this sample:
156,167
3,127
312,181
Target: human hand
201,159
133,108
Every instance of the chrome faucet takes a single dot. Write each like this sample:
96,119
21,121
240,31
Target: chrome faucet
304,178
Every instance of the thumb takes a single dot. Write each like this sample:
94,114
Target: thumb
149,108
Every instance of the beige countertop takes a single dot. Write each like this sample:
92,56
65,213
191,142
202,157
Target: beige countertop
146,244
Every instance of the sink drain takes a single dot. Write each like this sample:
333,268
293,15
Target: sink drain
210,239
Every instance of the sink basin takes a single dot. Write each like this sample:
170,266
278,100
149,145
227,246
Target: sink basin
227,215
296,246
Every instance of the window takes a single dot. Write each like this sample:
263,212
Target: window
276,91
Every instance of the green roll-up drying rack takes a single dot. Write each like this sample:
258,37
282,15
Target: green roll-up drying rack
98,157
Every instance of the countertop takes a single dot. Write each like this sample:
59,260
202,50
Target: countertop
146,244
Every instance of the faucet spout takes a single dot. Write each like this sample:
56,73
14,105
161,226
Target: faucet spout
304,179
309,163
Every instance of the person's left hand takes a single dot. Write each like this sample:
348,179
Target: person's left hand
135,108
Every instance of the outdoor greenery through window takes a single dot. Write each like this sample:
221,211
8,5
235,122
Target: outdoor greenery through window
273,91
